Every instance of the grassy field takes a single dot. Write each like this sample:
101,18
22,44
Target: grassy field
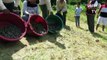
70,43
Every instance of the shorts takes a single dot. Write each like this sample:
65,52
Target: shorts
102,21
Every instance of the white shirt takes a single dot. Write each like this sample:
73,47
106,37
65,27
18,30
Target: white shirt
96,4
78,11
47,2
29,10
61,6
2,7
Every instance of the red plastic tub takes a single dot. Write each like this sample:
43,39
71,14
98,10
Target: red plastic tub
35,19
8,19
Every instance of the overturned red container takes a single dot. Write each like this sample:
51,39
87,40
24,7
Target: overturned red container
15,20
36,30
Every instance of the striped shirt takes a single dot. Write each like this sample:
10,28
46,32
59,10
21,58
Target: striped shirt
103,10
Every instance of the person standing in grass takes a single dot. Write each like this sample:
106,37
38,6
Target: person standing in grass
90,12
78,11
61,7
30,7
45,6
8,6
103,16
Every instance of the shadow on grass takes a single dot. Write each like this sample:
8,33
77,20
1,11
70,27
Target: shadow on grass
82,29
103,32
8,49
49,37
67,27
33,39
53,39
99,35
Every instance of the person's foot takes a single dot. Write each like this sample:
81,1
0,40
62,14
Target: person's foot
103,30
78,26
92,31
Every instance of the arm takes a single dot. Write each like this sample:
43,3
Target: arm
75,10
17,3
65,7
48,3
81,9
25,12
96,4
37,10
99,12
57,6
17,8
2,7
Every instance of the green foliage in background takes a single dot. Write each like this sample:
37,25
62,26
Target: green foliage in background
72,2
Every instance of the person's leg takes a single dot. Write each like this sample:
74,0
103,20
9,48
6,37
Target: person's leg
90,21
76,21
44,10
99,22
103,27
64,17
104,21
97,26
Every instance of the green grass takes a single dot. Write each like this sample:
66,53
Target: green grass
21,6
70,44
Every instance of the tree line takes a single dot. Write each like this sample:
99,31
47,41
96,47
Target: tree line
53,2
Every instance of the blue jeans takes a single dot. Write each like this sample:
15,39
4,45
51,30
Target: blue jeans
77,20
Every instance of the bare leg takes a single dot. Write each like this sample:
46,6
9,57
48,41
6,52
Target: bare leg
97,26
103,28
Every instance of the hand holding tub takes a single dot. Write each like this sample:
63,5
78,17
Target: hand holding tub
6,11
